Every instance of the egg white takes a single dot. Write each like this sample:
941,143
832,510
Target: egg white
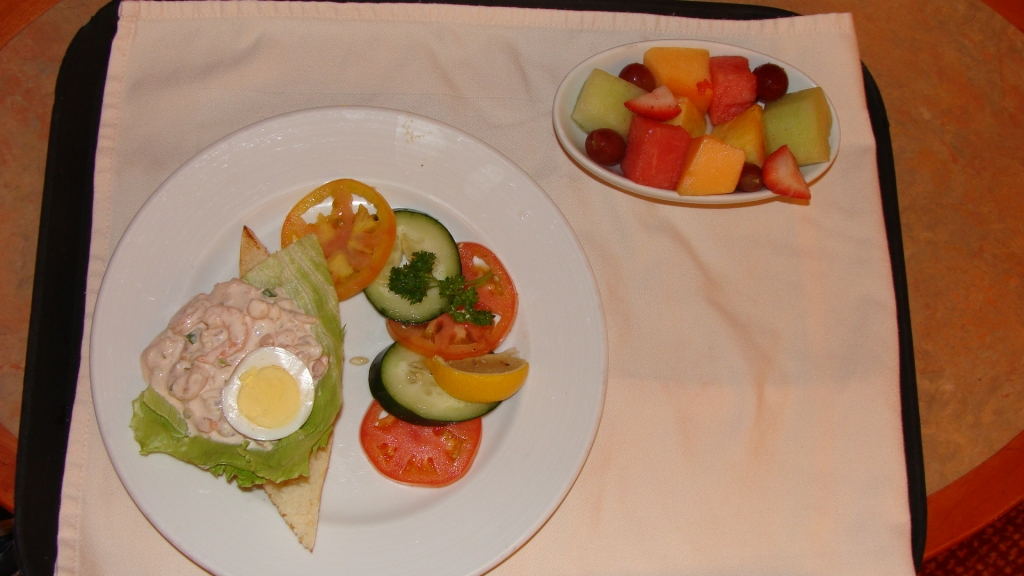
260,358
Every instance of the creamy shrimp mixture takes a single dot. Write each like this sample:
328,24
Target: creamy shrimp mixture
190,362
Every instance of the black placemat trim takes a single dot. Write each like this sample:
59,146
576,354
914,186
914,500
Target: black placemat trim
687,9
58,304
917,492
58,295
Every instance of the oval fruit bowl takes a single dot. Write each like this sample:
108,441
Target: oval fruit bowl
572,137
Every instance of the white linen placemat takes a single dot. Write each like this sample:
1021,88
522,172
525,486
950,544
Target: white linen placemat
752,420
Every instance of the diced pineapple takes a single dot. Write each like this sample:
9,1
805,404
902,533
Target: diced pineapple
745,131
323,229
601,103
690,119
685,71
339,267
711,167
801,120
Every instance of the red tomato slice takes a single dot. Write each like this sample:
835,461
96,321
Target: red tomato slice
420,455
452,340
356,243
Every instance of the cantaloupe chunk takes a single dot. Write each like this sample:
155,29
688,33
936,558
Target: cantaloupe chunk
745,131
690,119
601,103
685,71
801,120
710,167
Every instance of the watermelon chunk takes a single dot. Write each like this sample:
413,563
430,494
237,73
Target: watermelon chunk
735,87
655,153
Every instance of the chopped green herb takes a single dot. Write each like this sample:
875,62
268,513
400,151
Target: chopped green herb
412,280
270,293
472,316
191,337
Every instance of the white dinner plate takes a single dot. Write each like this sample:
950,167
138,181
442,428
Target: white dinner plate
186,238
572,137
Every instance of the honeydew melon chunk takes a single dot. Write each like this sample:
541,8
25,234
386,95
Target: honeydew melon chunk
801,120
601,103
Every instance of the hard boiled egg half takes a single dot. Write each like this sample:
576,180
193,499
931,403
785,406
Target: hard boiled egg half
269,395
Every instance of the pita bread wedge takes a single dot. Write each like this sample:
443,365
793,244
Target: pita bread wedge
161,423
252,252
298,499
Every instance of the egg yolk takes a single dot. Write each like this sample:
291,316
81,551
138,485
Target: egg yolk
268,396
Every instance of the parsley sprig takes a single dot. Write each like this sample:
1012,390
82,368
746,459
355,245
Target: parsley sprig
412,280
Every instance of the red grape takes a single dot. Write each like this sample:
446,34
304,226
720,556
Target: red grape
772,82
638,75
750,178
605,146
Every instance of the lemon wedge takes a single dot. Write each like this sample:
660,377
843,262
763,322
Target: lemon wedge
487,378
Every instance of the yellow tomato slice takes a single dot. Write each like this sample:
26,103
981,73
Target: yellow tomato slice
487,378
356,243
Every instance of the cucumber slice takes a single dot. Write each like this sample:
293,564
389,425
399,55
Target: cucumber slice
407,391
416,232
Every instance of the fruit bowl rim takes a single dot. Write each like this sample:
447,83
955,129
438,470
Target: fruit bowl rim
571,137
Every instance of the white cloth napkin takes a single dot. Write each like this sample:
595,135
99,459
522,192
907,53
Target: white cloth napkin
752,420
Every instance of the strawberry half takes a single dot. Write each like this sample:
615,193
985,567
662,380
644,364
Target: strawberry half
659,104
782,175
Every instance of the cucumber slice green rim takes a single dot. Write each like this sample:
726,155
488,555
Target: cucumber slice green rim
416,232
405,389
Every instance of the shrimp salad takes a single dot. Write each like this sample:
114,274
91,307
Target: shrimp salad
282,314
190,362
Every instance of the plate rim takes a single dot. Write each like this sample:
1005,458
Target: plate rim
347,113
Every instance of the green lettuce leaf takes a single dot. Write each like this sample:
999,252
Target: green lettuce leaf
300,269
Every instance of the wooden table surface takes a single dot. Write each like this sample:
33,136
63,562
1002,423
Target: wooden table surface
952,77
